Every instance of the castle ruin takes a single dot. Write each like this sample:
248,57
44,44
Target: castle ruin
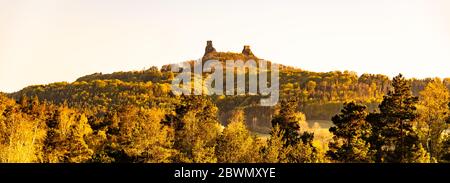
209,47
246,51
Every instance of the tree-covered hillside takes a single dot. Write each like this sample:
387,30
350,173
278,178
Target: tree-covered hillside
134,117
320,94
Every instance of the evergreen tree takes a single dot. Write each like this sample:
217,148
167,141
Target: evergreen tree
351,132
393,135
289,120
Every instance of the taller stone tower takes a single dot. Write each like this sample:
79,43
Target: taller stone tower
209,47
247,51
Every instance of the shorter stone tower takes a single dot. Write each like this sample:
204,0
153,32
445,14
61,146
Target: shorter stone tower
247,51
209,47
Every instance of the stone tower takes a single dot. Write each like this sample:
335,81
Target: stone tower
246,51
209,47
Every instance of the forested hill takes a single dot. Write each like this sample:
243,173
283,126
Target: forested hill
134,117
320,94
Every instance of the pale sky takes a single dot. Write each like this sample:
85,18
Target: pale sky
44,41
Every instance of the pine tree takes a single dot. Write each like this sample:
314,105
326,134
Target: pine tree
351,132
297,146
393,135
289,120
